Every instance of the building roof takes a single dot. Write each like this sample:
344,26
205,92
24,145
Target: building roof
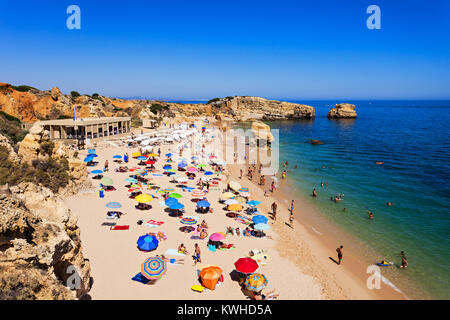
82,121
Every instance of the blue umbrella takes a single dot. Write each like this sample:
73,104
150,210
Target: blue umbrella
170,201
182,164
91,151
142,158
113,205
176,206
97,171
187,188
147,242
168,154
203,204
117,156
261,227
88,158
253,203
131,180
93,155
259,219
194,158
167,167
208,173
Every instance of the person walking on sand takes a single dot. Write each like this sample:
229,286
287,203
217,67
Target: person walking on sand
197,254
106,166
274,210
340,253
240,176
273,186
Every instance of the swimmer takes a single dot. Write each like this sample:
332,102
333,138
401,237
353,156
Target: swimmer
370,215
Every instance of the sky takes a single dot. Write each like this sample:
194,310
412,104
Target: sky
183,50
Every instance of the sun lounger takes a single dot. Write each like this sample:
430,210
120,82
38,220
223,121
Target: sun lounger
126,227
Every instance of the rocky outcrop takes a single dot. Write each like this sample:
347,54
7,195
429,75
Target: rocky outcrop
255,108
261,132
33,145
342,111
12,155
40,247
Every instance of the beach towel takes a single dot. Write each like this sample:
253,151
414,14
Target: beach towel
109,224
173,252
211,248
140,278
198,288
157,223
126,227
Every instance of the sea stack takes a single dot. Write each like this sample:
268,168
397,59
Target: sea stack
342,111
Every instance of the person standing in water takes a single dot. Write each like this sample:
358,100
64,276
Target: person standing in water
404,261
340,253
370,215
314,193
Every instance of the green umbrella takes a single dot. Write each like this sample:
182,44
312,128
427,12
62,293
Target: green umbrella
175,195
202,165
106,181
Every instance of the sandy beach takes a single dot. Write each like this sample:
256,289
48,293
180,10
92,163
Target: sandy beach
298,267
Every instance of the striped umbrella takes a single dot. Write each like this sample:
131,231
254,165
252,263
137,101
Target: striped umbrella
188,221
198,194
243,190
153,268
256,282
113,205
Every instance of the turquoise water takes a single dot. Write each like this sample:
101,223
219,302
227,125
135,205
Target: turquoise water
412,138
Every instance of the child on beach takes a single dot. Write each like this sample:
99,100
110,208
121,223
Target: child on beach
197,254
340,254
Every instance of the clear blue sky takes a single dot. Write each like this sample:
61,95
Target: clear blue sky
205,49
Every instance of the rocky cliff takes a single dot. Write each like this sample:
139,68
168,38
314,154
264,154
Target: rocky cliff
30,105
342,110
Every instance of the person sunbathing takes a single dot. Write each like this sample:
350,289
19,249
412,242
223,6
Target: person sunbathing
230,230
173,260
203,234
204,225
182,249
269,296
227,246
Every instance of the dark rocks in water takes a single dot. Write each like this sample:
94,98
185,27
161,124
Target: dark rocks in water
316,142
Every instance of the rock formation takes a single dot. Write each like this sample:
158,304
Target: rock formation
342,110
261,132
40,247
255,108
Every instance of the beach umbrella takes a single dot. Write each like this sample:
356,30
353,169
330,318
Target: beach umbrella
216,236
188,221
203,204
210,276
259,219
113,205
106,181
150,162
147,242
212,157
194,158
97,171
234,207
170,201
256,282
91,151
208,173
153,268
134,169
226,195
175,195
152,155
168,154
144,198
182,164
201,165
167,167
253,203
198,194
231,201
261,226
243,190
131,180
157,175
176,206
240,199
117,156
168,189
136,154
142,158
246,265
235,185
172,170
88,158
192,169
134,189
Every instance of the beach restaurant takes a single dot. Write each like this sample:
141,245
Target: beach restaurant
87,128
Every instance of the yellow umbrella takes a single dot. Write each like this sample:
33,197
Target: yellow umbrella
235,207
136,154
144,198
235,185
226,195
152,155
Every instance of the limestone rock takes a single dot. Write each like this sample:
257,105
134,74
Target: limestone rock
261,131
12,155
342,110
55,93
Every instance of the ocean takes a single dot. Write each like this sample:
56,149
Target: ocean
412,139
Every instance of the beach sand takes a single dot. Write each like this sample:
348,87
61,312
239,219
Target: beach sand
298,267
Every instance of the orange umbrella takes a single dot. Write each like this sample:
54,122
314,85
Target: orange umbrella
209,276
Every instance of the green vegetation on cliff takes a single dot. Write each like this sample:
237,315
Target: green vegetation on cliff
10,127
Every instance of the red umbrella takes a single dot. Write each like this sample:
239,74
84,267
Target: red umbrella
150,162
246,265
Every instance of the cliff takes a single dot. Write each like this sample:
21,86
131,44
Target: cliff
342,110
30,105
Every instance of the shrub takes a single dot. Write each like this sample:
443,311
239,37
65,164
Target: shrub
23,88
136,122
156,108
75,94
10,127
213,100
